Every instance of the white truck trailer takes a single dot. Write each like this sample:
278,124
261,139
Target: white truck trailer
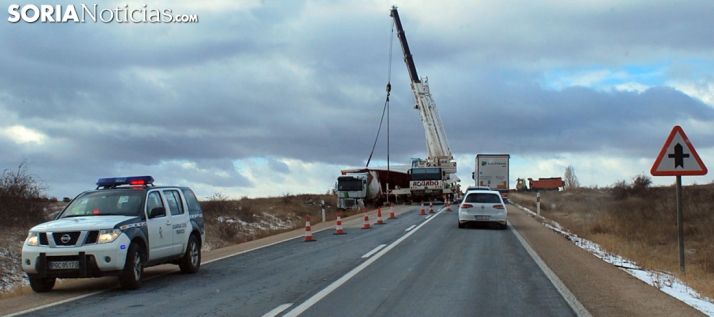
492,170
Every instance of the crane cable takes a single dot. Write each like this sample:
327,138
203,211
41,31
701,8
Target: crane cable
386,102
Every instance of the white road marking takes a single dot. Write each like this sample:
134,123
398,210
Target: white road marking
410,228
342,280
375,250
259,247
277,310
573,301
427,217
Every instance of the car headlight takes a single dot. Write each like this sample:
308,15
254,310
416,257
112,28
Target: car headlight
33,239
108,235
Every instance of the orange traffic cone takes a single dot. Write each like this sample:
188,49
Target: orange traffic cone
431,207
308,230
338,226
366,224
392,215
379,216
422,212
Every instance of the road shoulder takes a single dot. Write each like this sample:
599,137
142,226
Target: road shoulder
603,289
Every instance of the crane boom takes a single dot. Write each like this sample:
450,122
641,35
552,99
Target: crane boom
438,151
405,46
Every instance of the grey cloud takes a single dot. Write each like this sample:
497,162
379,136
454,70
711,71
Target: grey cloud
280,82
278,166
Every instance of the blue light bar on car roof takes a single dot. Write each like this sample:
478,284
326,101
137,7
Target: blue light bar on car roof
131,180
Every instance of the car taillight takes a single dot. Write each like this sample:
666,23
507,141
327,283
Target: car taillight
498,206
466,206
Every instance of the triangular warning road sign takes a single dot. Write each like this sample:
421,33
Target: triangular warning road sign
678,157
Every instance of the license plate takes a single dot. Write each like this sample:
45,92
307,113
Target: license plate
482,218
64,265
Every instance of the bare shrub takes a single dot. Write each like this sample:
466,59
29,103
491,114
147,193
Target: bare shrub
227,231
640,184
218,204
287,198
570,179
245,211
21,201
619,190
639,188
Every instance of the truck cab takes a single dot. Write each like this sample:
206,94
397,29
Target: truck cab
427,183
351,190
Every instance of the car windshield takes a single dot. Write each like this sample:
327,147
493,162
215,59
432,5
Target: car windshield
106,202
483,198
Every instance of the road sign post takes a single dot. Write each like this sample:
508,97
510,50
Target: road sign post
677,158
680,224
322,207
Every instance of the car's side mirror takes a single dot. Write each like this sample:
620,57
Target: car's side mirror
157,212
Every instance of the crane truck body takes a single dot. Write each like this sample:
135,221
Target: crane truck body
433,177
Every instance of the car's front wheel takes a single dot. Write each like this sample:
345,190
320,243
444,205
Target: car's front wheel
130,277
41,284
191,261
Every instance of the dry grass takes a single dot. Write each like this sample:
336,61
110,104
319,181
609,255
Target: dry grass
236,221
641,224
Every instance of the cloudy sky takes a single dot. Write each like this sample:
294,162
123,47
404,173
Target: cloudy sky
264,98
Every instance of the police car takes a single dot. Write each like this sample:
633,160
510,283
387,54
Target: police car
120,228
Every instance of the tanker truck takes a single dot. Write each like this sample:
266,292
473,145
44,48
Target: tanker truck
356,188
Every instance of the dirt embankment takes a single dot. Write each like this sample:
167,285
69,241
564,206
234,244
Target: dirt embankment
236,221
640,224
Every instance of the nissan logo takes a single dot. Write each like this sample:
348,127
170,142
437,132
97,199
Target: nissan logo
65,238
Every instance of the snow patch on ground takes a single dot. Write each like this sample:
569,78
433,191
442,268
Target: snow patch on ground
11,274
663,281
264,222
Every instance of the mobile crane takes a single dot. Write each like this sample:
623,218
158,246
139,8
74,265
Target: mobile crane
433,177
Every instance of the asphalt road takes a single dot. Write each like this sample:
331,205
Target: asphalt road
434,269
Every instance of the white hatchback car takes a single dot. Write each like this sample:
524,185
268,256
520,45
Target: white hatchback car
483,206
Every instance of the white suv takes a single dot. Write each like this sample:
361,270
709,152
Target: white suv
483,206
124,225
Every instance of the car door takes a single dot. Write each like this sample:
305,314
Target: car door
180,221
159,227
